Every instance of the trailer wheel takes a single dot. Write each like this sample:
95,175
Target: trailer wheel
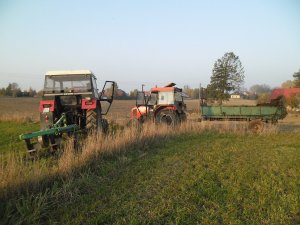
256,126
93,121
167,117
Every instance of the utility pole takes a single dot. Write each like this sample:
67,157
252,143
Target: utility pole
199,97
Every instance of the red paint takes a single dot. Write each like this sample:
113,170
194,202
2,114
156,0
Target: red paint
286,92
157,89
88,104
137,112
47,104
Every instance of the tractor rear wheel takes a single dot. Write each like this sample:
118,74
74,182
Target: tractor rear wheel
167,117
256,126
93,120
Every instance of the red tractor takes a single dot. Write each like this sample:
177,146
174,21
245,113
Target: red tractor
161,104
70,103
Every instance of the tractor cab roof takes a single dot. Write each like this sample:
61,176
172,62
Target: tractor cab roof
169,87
69,72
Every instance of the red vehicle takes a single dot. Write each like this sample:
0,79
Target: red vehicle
70,103
161,104
284,92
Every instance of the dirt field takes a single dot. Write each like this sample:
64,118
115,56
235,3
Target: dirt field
26,109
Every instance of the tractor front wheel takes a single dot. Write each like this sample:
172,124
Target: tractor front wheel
167,117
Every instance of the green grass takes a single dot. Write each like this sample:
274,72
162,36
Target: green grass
206,178
9,133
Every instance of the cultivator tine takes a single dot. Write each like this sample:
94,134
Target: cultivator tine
29,146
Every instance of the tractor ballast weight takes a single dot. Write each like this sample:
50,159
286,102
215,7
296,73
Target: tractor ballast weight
70,103
161,105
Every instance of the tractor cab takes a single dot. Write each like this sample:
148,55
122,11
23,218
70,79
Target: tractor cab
71,92
167,96
70,84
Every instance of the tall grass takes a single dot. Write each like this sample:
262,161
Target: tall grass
19,174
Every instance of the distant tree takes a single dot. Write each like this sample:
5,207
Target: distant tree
263,98
260,88
188,90
297,78
132,94
31,92
16,91
2,92
40,93
13,90
288,84
191,92
8,90
116,88
227,76
195,93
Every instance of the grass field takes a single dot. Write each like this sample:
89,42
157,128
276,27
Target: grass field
203,173
206,178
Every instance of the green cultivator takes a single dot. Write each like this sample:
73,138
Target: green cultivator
70,104
48,138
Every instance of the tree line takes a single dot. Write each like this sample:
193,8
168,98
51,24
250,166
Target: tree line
13,90
227,78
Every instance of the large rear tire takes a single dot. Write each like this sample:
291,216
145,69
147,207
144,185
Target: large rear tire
93,120
167,117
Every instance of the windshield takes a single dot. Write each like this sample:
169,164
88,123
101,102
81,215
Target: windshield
67,83
178,97
153,99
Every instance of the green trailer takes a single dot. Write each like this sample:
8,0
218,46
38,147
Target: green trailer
264,113
256,115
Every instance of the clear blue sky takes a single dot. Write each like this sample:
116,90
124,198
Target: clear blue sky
148,42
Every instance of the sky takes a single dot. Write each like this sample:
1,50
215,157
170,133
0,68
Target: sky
148,42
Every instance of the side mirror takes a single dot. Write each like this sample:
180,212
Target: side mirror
107,96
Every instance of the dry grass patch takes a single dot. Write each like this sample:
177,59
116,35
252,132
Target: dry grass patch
17,172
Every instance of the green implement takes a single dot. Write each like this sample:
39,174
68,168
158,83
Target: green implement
48,138
51,131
